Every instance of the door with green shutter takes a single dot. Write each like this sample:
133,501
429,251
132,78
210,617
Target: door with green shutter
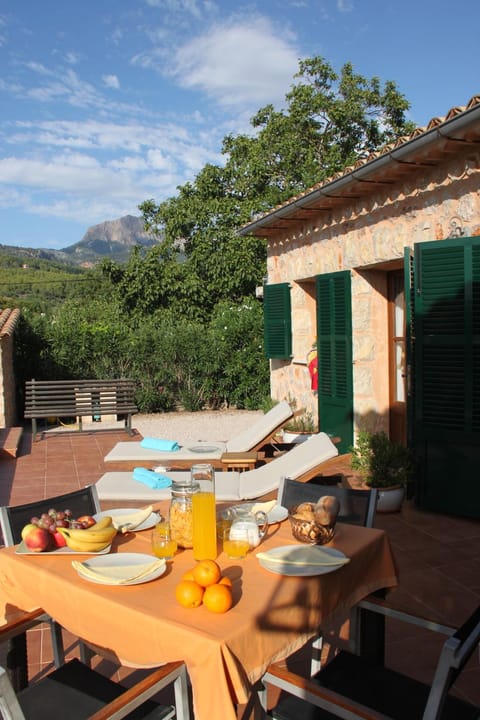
334,349
446,373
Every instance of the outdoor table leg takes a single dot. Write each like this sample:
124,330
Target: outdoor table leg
17,661
368,632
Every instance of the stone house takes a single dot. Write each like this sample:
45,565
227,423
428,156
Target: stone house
380,265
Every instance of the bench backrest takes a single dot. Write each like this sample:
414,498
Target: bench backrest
79,397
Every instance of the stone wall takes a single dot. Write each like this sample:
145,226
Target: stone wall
368,237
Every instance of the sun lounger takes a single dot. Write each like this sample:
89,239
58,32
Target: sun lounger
301,463
128,455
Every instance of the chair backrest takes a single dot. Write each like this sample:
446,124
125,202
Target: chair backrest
357,507
14,517
262,430
9,706
456,652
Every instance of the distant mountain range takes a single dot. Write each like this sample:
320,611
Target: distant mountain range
113,239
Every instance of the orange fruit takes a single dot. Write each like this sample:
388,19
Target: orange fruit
218,598
189,594
188,575
224,580
206,572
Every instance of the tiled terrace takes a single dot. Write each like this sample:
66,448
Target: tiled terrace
438,556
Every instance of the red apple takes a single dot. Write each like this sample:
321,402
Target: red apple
38,540
58,539
86,520
27,528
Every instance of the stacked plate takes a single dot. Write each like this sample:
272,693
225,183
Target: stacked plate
121,569
134,515
275,514
302,560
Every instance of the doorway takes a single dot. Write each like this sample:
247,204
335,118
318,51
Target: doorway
396,356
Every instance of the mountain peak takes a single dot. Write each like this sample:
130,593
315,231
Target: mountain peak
112,238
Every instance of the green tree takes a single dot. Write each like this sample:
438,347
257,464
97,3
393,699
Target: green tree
330,121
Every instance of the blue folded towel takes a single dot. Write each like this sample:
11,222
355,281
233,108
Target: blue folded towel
152,479
159,444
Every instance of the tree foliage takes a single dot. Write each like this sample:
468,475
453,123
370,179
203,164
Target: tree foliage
330,121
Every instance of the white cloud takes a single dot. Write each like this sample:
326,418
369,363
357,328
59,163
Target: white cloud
238,63
111,81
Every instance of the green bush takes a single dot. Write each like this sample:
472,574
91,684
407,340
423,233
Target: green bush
175,361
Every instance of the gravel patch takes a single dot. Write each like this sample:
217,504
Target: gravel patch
187,426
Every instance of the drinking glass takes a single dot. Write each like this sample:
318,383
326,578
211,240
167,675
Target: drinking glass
235,548
163,546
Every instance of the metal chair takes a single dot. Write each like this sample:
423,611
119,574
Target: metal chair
352,686
80,692
357,507
12,520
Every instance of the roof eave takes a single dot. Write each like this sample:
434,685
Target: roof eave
452,129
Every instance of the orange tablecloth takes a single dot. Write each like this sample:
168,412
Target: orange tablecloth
143,626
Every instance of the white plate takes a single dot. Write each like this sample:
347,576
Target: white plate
118,560
277,514
150,522
23,550
269,562
204,449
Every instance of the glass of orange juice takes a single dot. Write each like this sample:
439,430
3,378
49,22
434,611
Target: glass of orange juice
204,513
235,548
163,546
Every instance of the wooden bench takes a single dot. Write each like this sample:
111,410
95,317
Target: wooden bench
79,398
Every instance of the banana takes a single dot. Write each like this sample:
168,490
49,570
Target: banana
89,537
86,548
104,522
86,541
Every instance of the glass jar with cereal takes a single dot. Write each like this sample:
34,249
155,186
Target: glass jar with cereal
180,516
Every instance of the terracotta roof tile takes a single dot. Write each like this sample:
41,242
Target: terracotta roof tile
8,321
432,124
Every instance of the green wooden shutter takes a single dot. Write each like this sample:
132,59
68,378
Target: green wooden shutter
334,347
277,315
447,375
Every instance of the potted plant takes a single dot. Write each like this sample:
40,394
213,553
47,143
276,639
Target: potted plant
300,428
383,464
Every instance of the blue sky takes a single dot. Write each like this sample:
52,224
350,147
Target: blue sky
106,103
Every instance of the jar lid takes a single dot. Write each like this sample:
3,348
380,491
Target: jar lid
185,485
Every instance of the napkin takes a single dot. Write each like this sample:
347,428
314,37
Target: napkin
159,444
150,478
129,521
117,574
265,507
297,555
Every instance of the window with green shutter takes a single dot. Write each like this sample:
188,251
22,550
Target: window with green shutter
277,314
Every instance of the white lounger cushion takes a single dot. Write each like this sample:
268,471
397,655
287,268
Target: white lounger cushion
229,485
243,442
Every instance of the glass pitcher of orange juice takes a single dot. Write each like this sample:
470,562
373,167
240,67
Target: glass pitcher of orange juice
203,512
